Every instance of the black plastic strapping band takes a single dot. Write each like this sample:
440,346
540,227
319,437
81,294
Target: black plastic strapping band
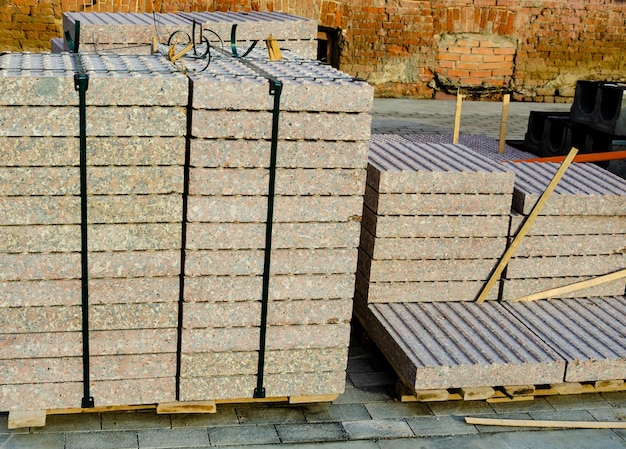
81,84
233,43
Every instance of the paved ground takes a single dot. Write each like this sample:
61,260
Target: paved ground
366,416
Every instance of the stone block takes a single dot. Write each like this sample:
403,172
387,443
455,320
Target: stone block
39,151
38,344
40,293
516,288
432,247
536,267
41,396
133,341
41,370
284,235
292,125
290,154
435,225
134,237
17,320
451,344
253,209
39,181
570,225
425,270
278,338
165,208
135,180
134,264
160,315
446,290
571,245
284,261
135,366
39,210
288,182
147,150
276,385
141,289
436,204
281,287
134,391
276,362
40,239
280,313
23,267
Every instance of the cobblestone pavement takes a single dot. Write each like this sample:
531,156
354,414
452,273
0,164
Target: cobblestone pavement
367,415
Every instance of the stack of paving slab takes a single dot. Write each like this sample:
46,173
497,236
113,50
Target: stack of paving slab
132,33
435,221
135,185
323,135
435,224
579,234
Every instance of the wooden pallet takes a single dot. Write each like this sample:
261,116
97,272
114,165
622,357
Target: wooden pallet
37,418
508,393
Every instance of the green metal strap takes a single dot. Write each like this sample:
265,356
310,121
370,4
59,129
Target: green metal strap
233,43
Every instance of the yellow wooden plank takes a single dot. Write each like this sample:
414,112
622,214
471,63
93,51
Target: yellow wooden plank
526,226
503,122
609,385
519,390
457,117
545,423
477,393
187,407
569,388
26,418
554,292
313,398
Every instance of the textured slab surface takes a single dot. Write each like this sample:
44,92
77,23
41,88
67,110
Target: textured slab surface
529,267
571,225
587,333
585,189
515,288
459,344
400,166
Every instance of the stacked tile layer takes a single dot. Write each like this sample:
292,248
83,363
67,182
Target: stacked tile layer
579,234
435,222
134,184
320,178
132,33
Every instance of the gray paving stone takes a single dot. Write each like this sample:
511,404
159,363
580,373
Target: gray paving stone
243,435
460,408
168,438
556,439
43,441
372,379
274,415
616,399
428,426
491,429
578,402
134,420
353,395
101,440
311,432
569,415
226,415
70,423
386,410
537,405
320,413
378,428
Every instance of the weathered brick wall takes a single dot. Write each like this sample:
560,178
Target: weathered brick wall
536,49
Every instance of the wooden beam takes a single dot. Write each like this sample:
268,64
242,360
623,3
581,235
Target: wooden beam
590,157
186,407
26,418
457,117
526,226
553,292
503,121
545,423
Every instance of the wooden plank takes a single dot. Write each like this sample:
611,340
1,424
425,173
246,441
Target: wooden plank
187,407
569,388
252,400
554,292
311,399
545,423
102,409
503,122
477,393
590,157
497,272
499,400
519,390
603,386
26,418
457,117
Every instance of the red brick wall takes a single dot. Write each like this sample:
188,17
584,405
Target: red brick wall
408,47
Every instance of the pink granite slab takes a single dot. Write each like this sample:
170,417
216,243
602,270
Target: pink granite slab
165,208
40,239
38,344
529,267
133,316
571,225
134,264
18,320
516,288
17,267
40,210
40,181
135,237
571,245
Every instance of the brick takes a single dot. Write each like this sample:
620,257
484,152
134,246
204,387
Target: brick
285,235
434,226
277,362
246,209
426,270
288,182
276,385
288,261
280,313
437,204
290,154
432,247
516,288
445,290
278,337
292,125
281,287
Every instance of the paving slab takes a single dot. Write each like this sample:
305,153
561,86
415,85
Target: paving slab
596,265
166,438
419,337
251,434
39,441
133,316
571,245
130,420
392,410
329,412
430,426
585,332
571,225
128,264
378,429
270,415
516,288
42,210
40,239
